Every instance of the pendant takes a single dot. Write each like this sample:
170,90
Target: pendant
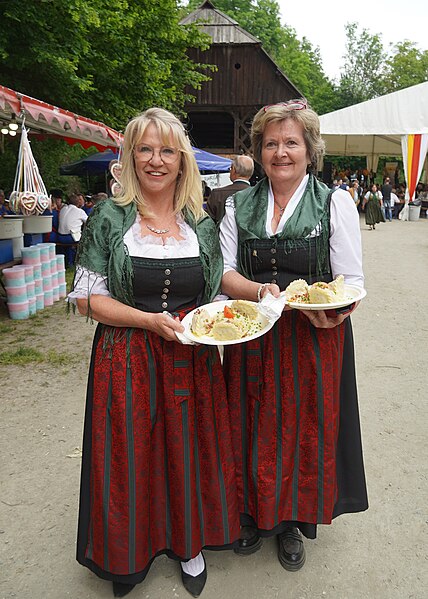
157,231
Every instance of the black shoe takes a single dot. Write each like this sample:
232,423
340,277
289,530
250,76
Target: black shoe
194,584
250,542
291,552
120,589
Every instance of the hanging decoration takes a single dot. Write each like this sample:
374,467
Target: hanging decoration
115,168
29,195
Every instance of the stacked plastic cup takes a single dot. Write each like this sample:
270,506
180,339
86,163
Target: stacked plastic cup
61,275
31,255
14,277
50,249
16,289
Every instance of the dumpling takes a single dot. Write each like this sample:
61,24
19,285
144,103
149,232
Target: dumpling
225,330
295,289
338,286
320,293
246,308
201,322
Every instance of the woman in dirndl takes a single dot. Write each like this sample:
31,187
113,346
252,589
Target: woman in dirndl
373,207
292,392
158,471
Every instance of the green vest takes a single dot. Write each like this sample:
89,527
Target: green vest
102,250
312,210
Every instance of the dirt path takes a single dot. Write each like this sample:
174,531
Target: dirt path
379,554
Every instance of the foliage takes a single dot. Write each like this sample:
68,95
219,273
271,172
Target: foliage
362,70
106,61
405,67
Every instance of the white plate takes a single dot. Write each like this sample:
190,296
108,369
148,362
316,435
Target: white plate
352,292
212,309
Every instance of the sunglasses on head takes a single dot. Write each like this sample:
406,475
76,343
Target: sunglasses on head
290,105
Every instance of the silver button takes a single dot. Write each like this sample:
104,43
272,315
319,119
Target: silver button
167,282
273,281
164,296
167,271
273,251
164,304
273,261
165,290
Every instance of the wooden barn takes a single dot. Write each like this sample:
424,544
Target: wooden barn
247,79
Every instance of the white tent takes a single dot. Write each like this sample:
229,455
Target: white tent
375,128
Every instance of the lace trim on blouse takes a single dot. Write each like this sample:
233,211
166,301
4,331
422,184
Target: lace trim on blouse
87,282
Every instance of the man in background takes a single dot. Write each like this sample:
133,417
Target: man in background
240,174
386,196
71,219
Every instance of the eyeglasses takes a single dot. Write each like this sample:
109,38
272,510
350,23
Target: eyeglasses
291,105
167,154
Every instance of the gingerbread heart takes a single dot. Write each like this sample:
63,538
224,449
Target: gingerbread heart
28,202
116,170
116,188
43,203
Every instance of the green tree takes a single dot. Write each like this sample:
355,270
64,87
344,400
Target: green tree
363,67
406,66
104,60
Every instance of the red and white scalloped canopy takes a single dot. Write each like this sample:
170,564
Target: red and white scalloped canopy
51,120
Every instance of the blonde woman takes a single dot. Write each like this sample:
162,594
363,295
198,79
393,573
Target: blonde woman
157,473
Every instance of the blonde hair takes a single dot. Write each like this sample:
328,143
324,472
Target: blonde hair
188,191
306,117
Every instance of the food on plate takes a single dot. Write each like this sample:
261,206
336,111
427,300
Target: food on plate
318,293
201,322
226,330
246,308
239,320
297,288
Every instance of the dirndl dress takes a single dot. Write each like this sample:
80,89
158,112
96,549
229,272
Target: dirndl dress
294,411
158,470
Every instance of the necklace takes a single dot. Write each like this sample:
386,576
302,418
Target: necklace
157,231
160,231
281,209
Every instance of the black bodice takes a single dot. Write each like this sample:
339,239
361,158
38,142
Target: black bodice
170,284
277,261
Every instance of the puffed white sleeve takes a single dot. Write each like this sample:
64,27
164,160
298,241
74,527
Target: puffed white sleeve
345,239
229,237
87,283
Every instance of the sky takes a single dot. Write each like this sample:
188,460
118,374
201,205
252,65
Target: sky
323,24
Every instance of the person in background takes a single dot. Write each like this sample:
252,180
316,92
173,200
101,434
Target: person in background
89,205
206,192
241,172
71,220
56,206
372,204
355,192
158,474
292,392
386,191
4,207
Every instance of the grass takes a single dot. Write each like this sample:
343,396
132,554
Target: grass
27,355
6,328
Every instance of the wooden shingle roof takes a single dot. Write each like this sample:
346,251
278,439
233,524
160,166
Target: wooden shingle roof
222,28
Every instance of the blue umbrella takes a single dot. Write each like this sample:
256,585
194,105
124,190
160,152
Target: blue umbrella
98,163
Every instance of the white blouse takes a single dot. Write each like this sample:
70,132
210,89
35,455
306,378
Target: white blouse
141,246
345,235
